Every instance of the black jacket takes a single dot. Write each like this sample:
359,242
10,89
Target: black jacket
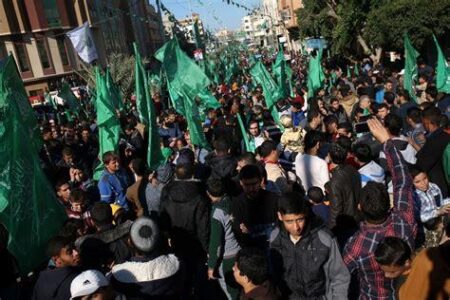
223,167
429,159
258,214
345,185
310,269
185,216
155,278
105,245
55,283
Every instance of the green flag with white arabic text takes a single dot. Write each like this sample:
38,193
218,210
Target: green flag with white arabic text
185,80
140,87
316,76
442,71
154,155
107,121
270,89
28,205
411,70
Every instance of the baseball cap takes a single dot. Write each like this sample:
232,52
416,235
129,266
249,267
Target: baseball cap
87,283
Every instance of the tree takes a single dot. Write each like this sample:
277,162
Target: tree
373,25
419,18
121,67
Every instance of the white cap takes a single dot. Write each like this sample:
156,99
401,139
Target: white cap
87,283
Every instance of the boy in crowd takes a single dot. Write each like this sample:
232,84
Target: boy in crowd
223,246
430,204
430,198
303,248
394,257
319,208
368,168
79,207
251,271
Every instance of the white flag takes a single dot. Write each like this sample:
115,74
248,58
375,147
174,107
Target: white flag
82,41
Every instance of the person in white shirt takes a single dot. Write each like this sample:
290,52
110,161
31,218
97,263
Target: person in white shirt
311,169
369,170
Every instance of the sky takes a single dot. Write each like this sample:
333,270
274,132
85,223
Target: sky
229,16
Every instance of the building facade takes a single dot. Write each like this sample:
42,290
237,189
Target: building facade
33,31
259,31
187,25
287,9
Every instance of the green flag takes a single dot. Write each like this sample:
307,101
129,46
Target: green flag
154,154
107,121
263,78
140,86
208,99
232,68
279,69
114,91
182,73
185,82
270,89
356,70
176,99
248,148
289,74
28,205
411,70
155,83
316,77
70,99
442,71
194,123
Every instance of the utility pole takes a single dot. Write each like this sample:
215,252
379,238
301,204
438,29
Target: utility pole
161,27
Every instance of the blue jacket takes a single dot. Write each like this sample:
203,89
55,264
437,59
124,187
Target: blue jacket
113,188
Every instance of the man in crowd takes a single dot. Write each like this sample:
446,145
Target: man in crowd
251,199
305,257
184,216
309,167
54,282
345,189
380,220
429,158
113,182
254,211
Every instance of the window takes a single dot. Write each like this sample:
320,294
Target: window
63,51
43,55
22,56
51,13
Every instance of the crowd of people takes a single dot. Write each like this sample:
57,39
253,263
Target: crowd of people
348,199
